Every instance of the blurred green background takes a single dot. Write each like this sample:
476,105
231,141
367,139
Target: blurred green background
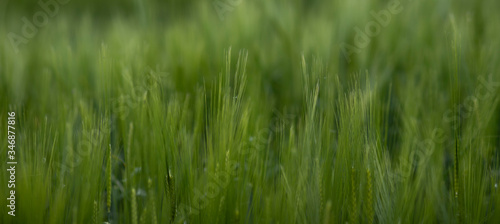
152,79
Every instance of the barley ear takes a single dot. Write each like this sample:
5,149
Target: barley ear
154,220
319,179
129,145
237,215
95,214
108,179
134,207
228,169
369,212
460,212
75,215
354,205
142,219
220,216
326,218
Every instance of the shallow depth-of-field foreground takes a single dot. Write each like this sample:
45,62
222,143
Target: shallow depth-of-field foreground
250,111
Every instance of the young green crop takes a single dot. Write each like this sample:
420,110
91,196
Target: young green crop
161,112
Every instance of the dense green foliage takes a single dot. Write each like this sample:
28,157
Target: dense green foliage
140,112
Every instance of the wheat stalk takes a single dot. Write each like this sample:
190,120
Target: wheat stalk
95,214
170,193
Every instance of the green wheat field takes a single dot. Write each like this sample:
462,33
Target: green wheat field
249,111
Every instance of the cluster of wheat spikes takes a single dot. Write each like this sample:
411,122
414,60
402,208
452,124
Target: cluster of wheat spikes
139,112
